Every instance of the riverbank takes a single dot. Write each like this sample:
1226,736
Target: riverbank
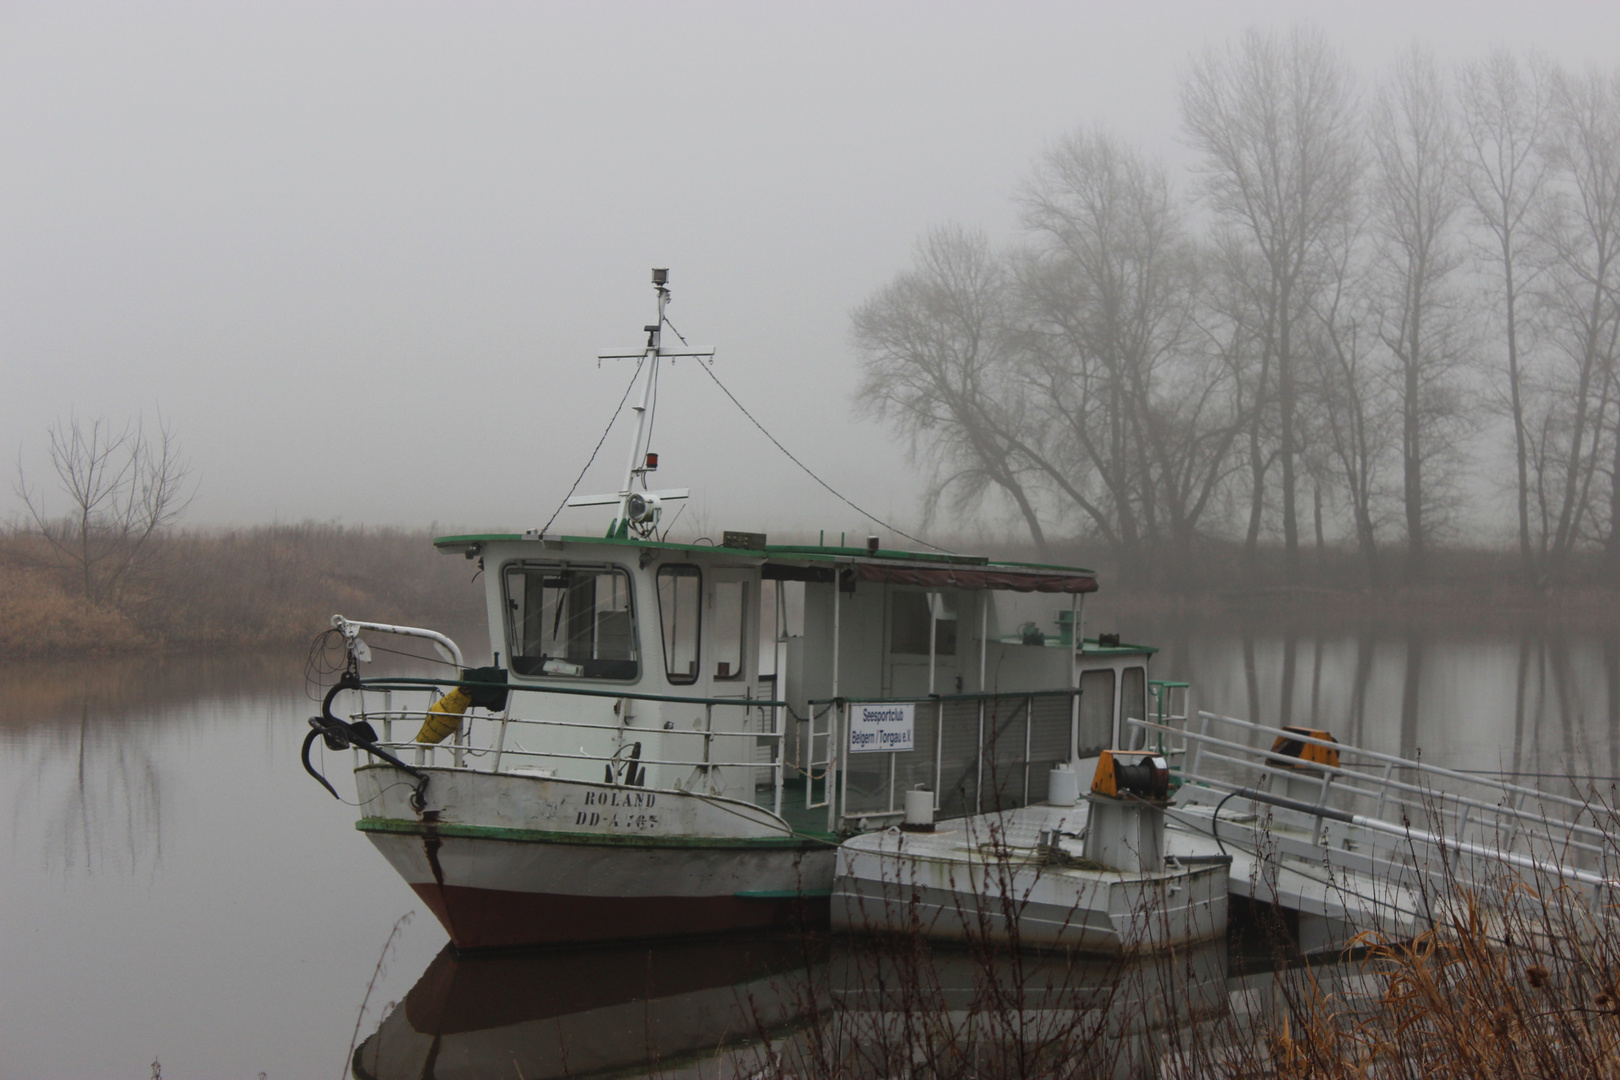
276,586
269,587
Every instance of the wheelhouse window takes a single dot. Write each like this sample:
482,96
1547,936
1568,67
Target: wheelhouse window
1133,703
909,615
571,621
730,617
680,595
1096,712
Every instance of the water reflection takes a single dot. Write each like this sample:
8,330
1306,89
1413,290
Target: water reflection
803,1006
157,819
1538,703
81,735
585,1012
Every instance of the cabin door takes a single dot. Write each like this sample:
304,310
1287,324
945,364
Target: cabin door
731,669
921,637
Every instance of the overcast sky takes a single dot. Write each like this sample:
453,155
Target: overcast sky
363,255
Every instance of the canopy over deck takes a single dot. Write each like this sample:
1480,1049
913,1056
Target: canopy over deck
987,577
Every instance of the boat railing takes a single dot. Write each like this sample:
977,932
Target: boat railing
1407,814
975,752
488,741
1168,709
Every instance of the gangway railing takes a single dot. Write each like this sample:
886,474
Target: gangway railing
1398,818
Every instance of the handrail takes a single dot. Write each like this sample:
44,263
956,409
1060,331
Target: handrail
1399,762
402,682
1547,830
1273,761
1408,832
423,714
946,698
595,757
1321,809
350,628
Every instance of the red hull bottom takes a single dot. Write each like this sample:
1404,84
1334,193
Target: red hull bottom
493,918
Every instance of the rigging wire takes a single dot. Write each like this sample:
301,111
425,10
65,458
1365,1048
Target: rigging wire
839,495
414,656
599,442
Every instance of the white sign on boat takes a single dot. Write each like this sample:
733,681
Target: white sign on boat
881,727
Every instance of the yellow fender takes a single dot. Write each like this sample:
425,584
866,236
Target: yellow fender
444,718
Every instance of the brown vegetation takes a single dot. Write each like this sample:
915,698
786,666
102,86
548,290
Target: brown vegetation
1515,978
272,586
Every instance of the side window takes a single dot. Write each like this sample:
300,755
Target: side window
730,618
1096,712
1133,704
572,621
680,595
909,613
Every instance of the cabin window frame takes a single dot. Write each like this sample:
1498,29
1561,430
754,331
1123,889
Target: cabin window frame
664,635
741,642
512,617
1110,696
1136,737
893,627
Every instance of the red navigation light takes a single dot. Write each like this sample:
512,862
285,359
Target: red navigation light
652,462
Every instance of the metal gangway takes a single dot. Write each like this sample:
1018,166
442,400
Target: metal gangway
1387,826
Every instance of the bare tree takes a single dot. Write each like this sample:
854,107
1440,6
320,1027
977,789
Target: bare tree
1117,365
123,487
1579,300
1505,115
1275,119
934,343
1357,422
1414,200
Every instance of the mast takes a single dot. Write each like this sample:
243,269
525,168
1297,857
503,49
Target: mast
640,511
636,467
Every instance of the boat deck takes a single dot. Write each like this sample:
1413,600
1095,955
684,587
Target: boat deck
1020,874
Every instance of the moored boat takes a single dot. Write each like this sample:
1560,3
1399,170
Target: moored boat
673,738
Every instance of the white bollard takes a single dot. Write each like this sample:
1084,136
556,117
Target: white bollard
919,812
1062,786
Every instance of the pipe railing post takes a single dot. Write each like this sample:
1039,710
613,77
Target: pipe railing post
781,758
1029,726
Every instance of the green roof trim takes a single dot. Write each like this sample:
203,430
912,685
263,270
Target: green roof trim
835,551
473,538
793,552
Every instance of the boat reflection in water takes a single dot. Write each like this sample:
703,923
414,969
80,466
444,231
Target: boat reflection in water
673,1006
797,1005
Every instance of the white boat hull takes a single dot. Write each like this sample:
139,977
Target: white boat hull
508,860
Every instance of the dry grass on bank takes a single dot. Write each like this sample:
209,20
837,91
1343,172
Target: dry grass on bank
271,586
1523,989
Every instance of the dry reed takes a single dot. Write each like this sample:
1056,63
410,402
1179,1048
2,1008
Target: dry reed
271,586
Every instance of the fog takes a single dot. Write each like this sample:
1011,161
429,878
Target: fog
363,256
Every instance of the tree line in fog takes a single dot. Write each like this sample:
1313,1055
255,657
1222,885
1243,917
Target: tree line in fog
1313,337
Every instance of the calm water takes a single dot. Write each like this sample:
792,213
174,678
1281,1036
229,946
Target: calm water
177,889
